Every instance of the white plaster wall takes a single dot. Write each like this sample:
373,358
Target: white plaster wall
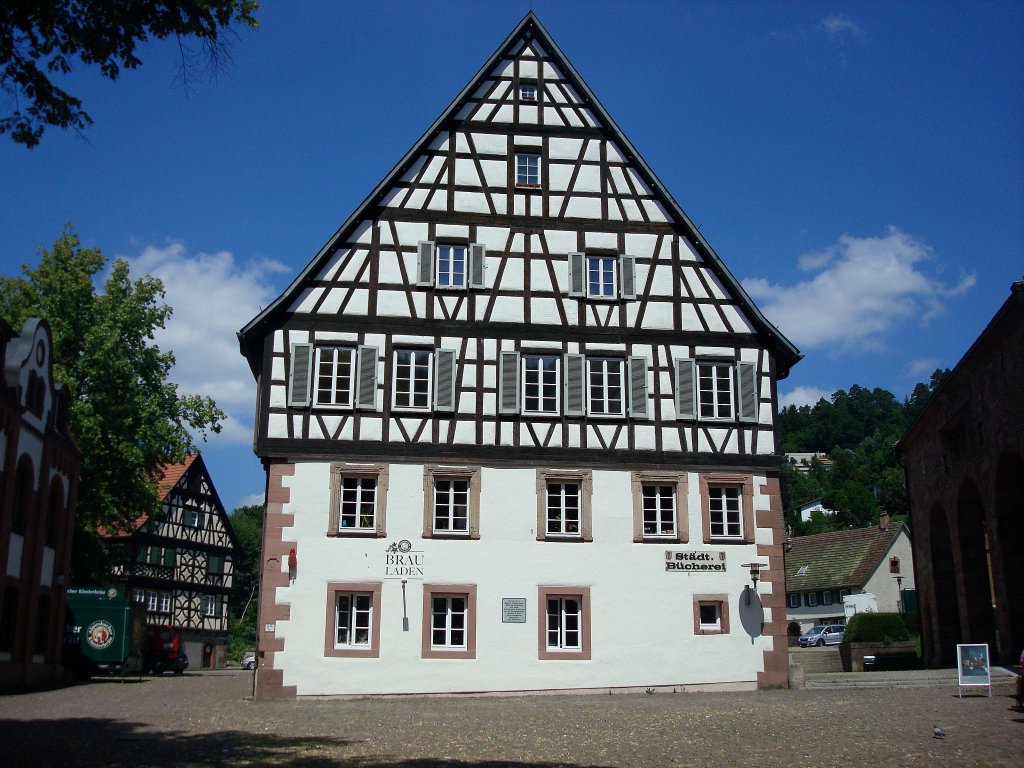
642,616
883,584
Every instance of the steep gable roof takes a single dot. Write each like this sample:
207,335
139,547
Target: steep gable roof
839,558
528,31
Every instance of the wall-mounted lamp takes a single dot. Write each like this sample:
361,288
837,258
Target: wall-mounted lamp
755,575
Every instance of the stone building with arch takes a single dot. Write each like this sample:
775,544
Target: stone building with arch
964,462
39,465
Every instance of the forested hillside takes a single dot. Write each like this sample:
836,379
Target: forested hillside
857,429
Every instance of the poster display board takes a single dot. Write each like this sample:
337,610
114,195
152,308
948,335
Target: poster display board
972,667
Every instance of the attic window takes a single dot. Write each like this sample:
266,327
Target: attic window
894,565
528,92
802,571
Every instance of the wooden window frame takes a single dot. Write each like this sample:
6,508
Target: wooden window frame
746,485
615,282
584,478
523,357
353,377
465,266
714,391
412,381
623,387
641,478
428,650
722,603
433,472
522,154
342,470
336,588
544,653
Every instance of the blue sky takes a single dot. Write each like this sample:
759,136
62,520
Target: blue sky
859,166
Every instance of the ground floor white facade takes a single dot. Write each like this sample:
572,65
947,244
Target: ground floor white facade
418,579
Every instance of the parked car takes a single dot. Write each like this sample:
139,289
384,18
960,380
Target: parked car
249,662
822,634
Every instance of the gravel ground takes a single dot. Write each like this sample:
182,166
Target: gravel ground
207,720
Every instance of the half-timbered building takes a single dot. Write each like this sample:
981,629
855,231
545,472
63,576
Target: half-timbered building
179,562
517,421
39,465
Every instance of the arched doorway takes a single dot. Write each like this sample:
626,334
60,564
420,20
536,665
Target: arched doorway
975,562
947,608
1008,558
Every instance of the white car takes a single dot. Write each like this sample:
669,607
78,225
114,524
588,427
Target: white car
249,662
822,634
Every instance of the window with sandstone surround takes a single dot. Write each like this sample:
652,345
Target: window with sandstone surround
660,513
352,627
451,502
563,622
449,621
358,505
563,505
710,614
727,508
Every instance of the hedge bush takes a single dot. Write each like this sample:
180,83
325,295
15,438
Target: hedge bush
876,628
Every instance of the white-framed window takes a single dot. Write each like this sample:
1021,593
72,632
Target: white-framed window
451,265
715,391
812,599
335,376
165,602
138,595
602,277
358,509
211,606
794,599
353,619
413,379
451,505
726,511
826,597
659,510
710,614
528,169
564,623
448,621
528,92
152,601
563,508
605,386
541,384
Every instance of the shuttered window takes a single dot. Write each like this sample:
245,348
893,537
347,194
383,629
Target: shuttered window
574,368
444,380
746,382
477,260
638,405
508,383
601,276
301,372
425,263
366,394
450,265
627,277
716,391
333,376
605,387
577,273
413,369
541,384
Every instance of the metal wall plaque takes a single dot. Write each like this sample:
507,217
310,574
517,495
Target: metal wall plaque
513,610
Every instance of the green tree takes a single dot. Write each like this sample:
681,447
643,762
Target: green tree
248,525
125,415
42,38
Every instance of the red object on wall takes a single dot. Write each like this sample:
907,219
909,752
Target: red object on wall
292,560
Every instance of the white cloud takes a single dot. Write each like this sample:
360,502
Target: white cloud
840,25
252,500
922,367
864,286
213,296
803,396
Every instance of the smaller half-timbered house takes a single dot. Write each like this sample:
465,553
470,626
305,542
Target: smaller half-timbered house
180,562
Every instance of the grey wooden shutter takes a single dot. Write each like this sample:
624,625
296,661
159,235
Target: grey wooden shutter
686,388
638,387
366,378
746,382
508,383
477,254
425,263
627,277
302,369
574,370
444,380
577,273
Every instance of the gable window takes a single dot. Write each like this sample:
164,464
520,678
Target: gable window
193,517
605,387
452,502
894,565
540,384
451,266
353,619
564,622
563,505
716,390
335,370
413,376
727,507
358,500
659,506
602,276
528,92
215,565
527,169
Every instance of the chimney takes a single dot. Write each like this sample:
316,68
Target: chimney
883,521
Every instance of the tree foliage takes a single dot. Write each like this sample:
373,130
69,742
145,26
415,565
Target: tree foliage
40,39
247,523
126,417
857,429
